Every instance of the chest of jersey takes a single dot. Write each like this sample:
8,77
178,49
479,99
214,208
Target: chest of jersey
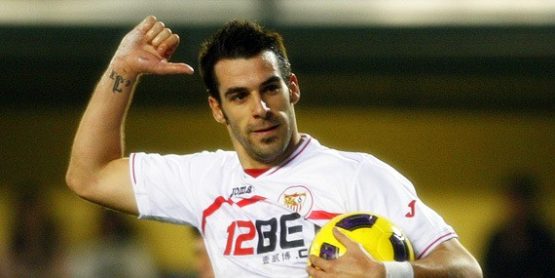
270,220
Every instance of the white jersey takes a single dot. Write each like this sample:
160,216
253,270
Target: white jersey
263,226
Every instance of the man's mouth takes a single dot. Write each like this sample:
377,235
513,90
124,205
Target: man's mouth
266,129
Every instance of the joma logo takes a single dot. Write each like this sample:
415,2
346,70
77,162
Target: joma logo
241,190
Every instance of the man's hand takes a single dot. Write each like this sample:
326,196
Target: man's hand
97,171
147,49
356,262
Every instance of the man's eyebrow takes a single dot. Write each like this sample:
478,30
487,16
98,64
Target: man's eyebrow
234,90
270,80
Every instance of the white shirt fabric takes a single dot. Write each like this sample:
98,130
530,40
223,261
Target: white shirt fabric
263,226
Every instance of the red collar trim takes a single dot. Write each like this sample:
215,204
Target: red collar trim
256,172
302,146
305,140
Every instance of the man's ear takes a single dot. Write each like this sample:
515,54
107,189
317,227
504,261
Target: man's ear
294,90
217,111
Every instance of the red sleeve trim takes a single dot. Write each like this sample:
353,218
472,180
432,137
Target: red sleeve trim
133,176
436,242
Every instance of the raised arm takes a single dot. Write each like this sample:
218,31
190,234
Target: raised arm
97,169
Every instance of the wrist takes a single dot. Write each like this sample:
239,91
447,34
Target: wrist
120,79
398,270
119,67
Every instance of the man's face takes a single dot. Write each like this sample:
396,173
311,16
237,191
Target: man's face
257,108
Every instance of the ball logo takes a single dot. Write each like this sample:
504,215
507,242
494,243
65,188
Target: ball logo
297,198
376,234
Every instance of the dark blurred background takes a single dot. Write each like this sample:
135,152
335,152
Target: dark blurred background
457,95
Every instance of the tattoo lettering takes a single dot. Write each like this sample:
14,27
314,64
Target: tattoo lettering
119,81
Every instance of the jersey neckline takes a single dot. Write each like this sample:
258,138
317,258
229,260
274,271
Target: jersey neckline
256,173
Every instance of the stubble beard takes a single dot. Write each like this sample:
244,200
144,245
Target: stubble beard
269,149
265,150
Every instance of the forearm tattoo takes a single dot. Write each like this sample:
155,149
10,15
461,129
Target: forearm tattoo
119,82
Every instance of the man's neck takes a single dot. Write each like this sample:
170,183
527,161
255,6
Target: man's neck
249,162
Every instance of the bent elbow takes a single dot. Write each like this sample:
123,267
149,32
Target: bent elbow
467,268
72,181
77,182
476,270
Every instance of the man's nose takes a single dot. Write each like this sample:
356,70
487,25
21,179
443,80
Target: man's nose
260,107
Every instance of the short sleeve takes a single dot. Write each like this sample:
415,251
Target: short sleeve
383,190
163,187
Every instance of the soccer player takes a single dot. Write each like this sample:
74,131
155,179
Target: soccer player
259,206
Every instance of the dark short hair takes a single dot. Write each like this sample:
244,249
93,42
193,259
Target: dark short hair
239,39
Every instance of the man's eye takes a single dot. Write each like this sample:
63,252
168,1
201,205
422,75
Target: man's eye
238,97
272,88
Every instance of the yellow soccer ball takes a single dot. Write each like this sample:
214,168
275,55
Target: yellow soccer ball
379,237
